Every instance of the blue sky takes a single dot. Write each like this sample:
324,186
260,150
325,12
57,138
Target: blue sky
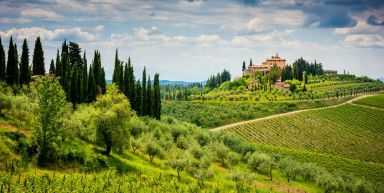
192,39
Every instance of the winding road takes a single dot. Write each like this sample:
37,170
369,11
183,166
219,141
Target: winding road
293,112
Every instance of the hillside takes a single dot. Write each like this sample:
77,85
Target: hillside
346,131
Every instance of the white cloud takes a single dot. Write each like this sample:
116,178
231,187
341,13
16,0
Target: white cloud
38,12
365,40
208,38
52,35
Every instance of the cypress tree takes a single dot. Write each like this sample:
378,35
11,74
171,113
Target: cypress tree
12,69
52,68
64,54
74,54
96,66
250,62
84,79
65,78
25,75
74,85
2,62
126,82
243,69
157,97
149,98
59,66
102,81
116,71
138,105
131,82
38,66
92,90
144,93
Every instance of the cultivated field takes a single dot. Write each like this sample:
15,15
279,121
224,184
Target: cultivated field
373,101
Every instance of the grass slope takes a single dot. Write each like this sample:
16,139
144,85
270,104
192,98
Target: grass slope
373,101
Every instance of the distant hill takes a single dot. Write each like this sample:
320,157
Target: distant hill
170,82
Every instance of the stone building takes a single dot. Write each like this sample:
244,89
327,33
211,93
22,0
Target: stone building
266,66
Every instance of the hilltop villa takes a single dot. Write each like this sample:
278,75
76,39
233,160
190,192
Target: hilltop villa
266,66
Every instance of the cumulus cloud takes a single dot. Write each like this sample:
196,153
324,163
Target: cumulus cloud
365,40
41,13
58,34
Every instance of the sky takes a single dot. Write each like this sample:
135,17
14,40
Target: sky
190,40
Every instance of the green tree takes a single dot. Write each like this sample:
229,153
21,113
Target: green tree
242,180
138,105
144,93
25,74
59,66
152,150
244,67
74,94
149,98
12,66
126,82
92,89
274,74
179,161
157,97
221,152
84,80
74,54
52,67
2,62
51,102
103,84
113,113
38,66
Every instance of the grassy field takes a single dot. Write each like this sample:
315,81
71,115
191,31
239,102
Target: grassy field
209,114
374,101
346,132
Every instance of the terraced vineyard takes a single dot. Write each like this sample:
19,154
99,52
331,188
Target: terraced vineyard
373,101
349,131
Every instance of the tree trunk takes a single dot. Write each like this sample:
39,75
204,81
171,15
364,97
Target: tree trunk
108,149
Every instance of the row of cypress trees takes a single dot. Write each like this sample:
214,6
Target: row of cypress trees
80,83
145,99
18,72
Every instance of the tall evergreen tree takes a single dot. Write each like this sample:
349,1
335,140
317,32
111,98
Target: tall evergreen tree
64,56
144,93
59,66
12,69
250,62
52,68
84,80
74,85
25,74
126,82
92,90
96,66
2,62
149,98
157,97
38,66
117,71
131,82
74,54
65,80
138,105
243,69
103,84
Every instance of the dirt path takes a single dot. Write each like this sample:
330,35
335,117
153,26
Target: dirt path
289,113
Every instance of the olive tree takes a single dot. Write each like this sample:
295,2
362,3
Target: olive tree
113,113
153,150
242,180
179,161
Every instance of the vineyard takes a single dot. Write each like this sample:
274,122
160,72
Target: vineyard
346,131
374,101
209,114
